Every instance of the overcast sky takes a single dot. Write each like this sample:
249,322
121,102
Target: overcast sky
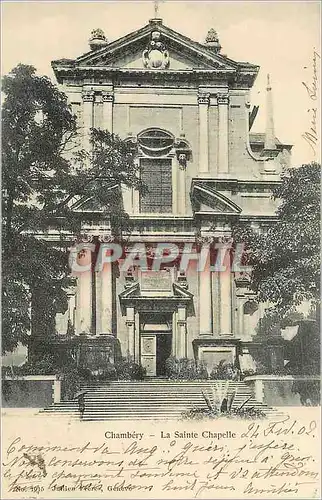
279,36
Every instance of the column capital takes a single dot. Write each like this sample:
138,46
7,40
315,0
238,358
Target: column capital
225,240
105,238
204,239
204,98
85,238
223,99
107,96
88,95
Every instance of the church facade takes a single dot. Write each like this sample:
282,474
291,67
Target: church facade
186,109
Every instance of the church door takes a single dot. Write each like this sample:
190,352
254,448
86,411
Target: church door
149,354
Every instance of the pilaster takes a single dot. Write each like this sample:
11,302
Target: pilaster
205,290
88,112
203,104
223,150
106,295
182,332
84,294
130,323
108,99
225,289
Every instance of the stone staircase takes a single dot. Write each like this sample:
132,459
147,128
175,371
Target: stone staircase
153,399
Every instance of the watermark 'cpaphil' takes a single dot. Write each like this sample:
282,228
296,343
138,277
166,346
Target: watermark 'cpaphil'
220,257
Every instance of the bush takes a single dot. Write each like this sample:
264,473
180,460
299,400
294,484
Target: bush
224,371
106,373
172,368
129,370
71,382
309,391
185,369
43,366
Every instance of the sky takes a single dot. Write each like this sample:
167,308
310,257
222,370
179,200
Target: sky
281,37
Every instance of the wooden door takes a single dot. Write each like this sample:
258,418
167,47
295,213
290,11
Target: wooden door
149,354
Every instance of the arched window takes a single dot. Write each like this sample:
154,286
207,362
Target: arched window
156,170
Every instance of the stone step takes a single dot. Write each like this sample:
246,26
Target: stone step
154,399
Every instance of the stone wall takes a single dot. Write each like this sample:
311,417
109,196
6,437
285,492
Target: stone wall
31,391
285,390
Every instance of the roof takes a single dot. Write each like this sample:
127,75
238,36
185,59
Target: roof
259,139
202,58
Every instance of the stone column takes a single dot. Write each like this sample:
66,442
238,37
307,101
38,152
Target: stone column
137,347
240,317
223,145
88,107
130,323
84,294
203,103
205,292
108,99
174,351
106,299
225,301
181,332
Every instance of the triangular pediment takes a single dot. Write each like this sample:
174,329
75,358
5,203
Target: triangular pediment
91,203
184,53
206,199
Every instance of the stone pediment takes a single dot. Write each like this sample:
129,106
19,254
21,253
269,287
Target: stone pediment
207,200
155,47
133,296
92,204
129,49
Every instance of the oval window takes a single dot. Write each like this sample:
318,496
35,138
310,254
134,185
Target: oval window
155,142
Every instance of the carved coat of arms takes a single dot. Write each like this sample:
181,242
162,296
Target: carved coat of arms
156,56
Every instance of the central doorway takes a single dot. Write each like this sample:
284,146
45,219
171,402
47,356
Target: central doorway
155,343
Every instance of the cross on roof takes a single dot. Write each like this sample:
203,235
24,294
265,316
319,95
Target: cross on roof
156,8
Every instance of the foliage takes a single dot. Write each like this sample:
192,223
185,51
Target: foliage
44,366
221,403
124,369
309,391
71,382
44,172
185,369
128,370
224,371
286,258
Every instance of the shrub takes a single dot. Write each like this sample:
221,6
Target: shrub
71,382
185,369
42,366
248,373
107,373
224,371
172,367
129,370
309,391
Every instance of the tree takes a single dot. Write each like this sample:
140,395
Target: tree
286,258
43,172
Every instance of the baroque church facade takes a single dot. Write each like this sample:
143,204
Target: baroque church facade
186,108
